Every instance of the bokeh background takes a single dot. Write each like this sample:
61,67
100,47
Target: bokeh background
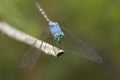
94,21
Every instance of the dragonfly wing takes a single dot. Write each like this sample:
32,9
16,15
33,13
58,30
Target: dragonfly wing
46,34
77,46
29,58
32,54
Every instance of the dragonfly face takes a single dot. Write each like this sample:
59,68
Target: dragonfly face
55,30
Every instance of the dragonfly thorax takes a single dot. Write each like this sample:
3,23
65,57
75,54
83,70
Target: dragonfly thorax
56,31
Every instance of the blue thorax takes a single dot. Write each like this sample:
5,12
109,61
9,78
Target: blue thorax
55,30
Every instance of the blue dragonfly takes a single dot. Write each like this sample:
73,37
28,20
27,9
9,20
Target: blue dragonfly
65,39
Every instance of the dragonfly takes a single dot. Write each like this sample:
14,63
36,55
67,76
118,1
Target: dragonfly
65,39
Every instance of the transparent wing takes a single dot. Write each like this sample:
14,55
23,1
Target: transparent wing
32,54
29,59
73,44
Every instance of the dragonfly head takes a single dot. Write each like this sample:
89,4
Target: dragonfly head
58,36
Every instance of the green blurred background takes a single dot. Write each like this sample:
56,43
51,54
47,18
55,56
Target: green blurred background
94,21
